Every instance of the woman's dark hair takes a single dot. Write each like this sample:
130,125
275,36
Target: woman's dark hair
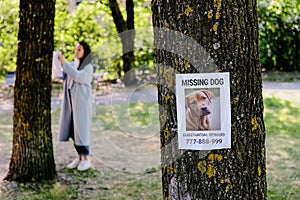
87,57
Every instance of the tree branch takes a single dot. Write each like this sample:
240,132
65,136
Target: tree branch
117,16
130,14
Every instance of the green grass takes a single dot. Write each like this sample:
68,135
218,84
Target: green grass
281,117
142,115
47,191
106,185
283,152
282,143
132,186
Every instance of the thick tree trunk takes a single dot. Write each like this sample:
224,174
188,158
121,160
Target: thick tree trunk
127,34
228,31
32,155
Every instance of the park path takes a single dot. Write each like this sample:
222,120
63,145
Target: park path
282,86
117,95
112,95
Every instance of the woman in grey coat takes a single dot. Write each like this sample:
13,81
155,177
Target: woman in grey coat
76,110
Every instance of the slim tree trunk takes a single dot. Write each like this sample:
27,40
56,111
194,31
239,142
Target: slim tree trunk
32,154
127,34
228,32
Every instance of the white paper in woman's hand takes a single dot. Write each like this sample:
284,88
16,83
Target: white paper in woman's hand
56,65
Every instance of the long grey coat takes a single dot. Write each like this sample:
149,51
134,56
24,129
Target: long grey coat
79,83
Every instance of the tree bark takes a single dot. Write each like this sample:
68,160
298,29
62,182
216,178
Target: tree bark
228,32
32,153
127,34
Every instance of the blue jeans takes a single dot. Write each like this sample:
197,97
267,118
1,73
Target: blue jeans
82,150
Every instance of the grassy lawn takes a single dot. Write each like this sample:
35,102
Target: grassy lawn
283,151
283,155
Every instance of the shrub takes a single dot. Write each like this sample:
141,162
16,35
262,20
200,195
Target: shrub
279,34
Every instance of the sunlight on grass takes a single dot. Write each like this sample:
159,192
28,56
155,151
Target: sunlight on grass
143,114
283,152
132,186
281,118
51,192
59,191
139,119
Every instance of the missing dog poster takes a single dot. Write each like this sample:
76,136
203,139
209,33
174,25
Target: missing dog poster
203,111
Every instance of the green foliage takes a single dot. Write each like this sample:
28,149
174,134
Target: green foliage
92,22
279,34
144,53
81,24
8,35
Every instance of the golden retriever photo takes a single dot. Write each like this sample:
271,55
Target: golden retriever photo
197,110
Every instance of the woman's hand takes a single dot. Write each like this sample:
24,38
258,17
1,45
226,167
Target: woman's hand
61,59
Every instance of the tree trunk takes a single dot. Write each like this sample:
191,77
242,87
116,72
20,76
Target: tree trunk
228,32
127,34
32,154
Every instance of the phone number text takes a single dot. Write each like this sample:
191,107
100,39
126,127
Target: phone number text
203,141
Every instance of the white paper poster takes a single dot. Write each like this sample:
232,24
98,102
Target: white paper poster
203,111
56,65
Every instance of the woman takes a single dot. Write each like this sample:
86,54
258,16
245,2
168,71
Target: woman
76,112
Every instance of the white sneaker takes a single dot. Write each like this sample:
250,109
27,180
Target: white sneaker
84,165
73,164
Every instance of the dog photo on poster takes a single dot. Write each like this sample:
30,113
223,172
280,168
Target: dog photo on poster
203,111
